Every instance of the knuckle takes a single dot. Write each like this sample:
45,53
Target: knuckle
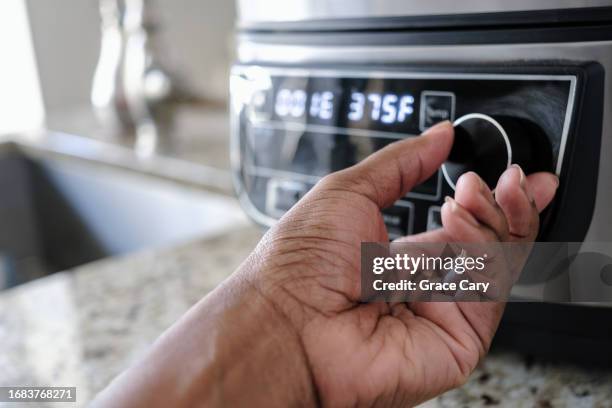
351,180
334,181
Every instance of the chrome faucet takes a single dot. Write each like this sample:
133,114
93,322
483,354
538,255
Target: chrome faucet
132,92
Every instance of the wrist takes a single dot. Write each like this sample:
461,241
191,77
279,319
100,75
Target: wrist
258,355
232,348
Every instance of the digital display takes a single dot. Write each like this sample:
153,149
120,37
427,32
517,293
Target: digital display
383,104
386,108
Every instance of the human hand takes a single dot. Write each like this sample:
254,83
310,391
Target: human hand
392,354
288,329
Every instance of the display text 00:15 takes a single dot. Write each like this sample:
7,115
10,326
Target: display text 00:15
387,108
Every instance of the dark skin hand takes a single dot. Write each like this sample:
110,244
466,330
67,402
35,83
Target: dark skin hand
287,328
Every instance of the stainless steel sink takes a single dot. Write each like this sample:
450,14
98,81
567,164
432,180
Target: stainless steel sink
60,212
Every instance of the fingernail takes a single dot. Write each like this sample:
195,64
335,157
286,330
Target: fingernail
523,183
521,173
437,127
451,203
481,183
454,207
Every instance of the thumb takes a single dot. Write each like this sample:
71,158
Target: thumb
391,172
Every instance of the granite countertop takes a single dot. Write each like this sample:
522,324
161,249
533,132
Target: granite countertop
82,327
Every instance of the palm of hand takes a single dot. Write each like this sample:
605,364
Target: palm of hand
397,354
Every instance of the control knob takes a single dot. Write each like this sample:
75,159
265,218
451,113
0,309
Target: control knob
488,145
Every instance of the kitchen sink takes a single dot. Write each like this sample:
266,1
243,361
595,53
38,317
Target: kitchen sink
57,213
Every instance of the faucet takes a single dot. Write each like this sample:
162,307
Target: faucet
132,91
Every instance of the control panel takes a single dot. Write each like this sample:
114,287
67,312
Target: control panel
293,125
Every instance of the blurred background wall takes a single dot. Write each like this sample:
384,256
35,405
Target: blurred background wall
195,38
21,106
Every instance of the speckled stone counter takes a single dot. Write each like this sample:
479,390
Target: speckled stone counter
81,328
509,379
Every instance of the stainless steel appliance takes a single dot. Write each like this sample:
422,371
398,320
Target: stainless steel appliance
319,85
